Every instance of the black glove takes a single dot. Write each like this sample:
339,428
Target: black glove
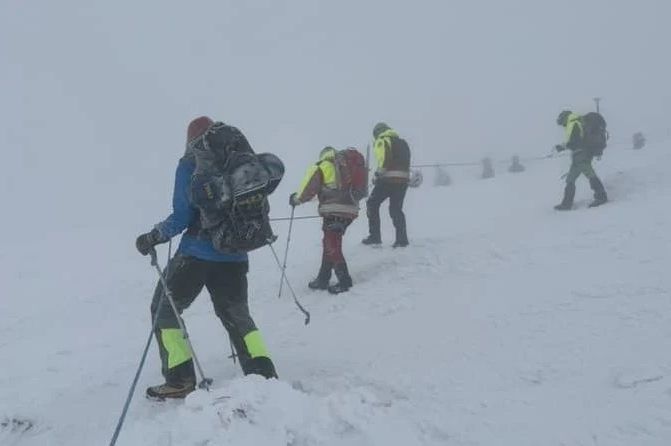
560,148
293,200
147,241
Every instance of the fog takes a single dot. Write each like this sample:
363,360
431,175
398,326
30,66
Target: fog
97,95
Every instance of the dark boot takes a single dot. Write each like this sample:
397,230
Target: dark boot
175,390
569,195
344,279
372,240
260,366
600,196
182,373
323,278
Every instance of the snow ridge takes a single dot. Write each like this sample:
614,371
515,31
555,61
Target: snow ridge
504,323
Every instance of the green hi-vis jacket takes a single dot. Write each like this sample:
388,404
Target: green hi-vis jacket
575,132
321,180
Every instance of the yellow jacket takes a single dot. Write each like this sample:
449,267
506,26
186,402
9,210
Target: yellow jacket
321,180
384,157
574,131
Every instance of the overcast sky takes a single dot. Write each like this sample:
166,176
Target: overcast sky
97,94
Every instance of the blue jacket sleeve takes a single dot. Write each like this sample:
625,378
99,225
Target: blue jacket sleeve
183,213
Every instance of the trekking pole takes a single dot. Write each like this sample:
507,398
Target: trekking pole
131,391
169,250
204,382
286,251
233,355
291,289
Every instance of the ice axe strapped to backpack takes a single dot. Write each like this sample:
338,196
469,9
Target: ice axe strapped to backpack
230,187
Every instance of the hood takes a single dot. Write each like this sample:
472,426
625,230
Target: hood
327,154
390,133
572,118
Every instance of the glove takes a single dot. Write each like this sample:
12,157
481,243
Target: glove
147,241
293,200
560,148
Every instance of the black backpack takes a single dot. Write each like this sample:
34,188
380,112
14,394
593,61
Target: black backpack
230,188
595,135
400,154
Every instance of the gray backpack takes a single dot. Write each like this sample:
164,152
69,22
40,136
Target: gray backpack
230,188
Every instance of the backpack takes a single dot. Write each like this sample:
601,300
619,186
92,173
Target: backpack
351,174
595,135
400,155
230,188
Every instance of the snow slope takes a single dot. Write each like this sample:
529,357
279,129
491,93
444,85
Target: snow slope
504,323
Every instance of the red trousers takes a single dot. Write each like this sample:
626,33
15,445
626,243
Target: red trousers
334,228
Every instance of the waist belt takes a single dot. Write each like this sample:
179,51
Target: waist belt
337,208
395,174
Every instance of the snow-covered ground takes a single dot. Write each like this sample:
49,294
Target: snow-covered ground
504,323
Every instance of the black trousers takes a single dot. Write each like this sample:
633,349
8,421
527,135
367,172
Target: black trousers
396,195
227,285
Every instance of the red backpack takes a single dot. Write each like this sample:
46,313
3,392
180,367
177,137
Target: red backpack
351,173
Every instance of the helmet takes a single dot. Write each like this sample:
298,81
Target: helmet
380,128
562,119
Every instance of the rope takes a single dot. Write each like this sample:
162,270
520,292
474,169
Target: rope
419,166
619,145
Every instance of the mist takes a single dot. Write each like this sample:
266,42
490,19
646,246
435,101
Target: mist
98,94
96,98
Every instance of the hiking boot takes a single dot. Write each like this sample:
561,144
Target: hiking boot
338,288
400,244
323,278
261,365
318,284
344,280
567,202
174,390
370,240
600,196
598,202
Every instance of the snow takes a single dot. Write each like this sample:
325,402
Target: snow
503,323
